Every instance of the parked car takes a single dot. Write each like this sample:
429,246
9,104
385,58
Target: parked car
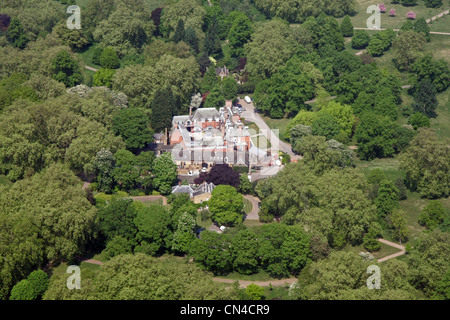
248,99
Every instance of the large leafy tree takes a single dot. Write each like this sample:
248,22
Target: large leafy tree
164,107
117,219
226,205
408,47
220,174
66,70
46,217
425,100
375,137
126,30
132,124
239,34
427,166
212,251
153,232
244,251
436,71
16,35
432,215
270,47
360,40
165,173
346,27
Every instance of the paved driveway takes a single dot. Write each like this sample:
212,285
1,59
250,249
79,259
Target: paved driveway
250,115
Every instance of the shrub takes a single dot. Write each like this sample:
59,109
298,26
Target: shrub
39,281
411,15
392,13
382,8
23,291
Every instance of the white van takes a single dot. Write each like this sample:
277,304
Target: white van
247,99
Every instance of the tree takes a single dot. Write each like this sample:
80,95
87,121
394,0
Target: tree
16,34
245,186
425,100
360,40
184,235
346,27
426,68
23,291
254,292
327,279
5,21
426,163
212,251
116,246
96,55
103,77
132,124
421,26
153,232
117,220
179,32
244,250
270,47
109,59
239,34
408,3
400,229
215,98
375,47
229,88
433,3
375,137
220,174
371,242
190,37
326,126
419,120
164,107
387,199
39,281
408,47
432,215
165,173
66,70
226,205
126,174
212,40
126,29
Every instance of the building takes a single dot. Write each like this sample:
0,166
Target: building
197,194
208,136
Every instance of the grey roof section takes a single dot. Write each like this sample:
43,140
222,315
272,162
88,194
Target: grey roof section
180,119
210,155
183,189
203,114
204,188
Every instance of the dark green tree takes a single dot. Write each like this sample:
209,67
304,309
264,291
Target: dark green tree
229,88
39,281
371,242
346,27
419,120
360,40
117,219
16,34
132,124
179,34
425,100
66,70
239,34
163,107
109,59
326,126
432,215
190,37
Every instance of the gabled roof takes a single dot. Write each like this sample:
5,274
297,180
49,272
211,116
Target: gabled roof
202,114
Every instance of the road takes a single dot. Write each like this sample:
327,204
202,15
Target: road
253,215
250,115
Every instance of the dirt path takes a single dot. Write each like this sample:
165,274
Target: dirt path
93,261
150,198
90,68
245,283
438,16
395,245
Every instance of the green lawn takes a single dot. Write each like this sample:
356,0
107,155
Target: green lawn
442,122
388,165
247,206
157,202
441,25
87,54
384,251
439,46
276,293
280,124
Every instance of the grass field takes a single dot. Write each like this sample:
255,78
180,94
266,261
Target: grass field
247,206
384,251
280,124
439,46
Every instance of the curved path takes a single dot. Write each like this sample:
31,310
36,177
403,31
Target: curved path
245,283
253,215
395,245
